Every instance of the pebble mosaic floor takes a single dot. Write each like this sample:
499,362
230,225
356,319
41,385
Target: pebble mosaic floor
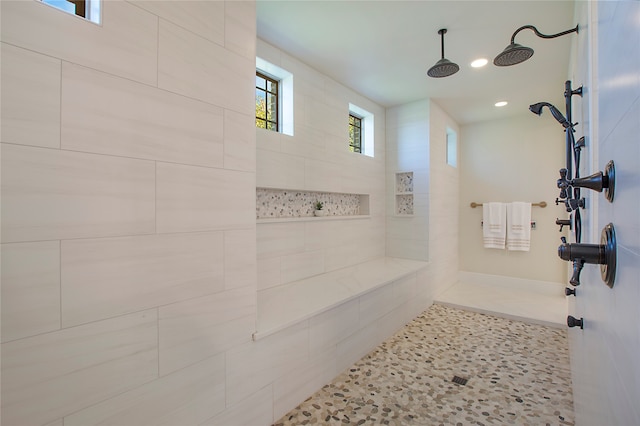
517,374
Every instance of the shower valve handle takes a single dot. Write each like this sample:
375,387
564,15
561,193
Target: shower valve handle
596,182
563,183
572,204
563,222
578,264
569,291
574,322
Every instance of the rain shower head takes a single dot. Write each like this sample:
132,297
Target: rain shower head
537,109
515,53
444,67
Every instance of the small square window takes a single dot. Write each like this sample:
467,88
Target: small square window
266,102
355,133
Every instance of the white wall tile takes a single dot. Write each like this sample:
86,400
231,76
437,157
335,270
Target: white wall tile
198,328
110,115
124,44
240,258
193,198
30,289
67,370
51,194
188,396
30,98
376,304
269,272
329,328
278,239
200,69
240,27
301,382
204,18
354,347
254,365
100,280
277,170
302,265
239,141
256,409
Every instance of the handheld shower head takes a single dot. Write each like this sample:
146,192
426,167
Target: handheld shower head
537,109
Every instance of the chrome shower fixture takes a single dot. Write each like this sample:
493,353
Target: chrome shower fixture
444,67
514,53
537,109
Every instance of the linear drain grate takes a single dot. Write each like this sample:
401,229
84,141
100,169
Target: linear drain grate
459,380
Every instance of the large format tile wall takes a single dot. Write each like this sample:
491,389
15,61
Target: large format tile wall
128,226
417,142
604,356
317,158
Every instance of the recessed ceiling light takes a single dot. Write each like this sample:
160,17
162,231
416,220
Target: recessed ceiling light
501,103
479,63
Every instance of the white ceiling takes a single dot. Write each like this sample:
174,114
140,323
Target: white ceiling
383,49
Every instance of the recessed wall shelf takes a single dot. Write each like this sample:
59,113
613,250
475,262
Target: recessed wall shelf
404,194
284,205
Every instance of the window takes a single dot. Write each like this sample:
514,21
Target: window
282,112
452,148
266,102
360,131
355,133
88,9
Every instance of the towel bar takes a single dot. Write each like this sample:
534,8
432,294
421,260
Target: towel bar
542,204
533,224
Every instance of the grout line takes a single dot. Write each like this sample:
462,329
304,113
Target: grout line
60,281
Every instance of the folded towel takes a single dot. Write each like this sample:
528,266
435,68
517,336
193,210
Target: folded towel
518,226
494,227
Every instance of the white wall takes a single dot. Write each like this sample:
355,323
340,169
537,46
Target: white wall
444,202
128,232
604,356
317,158
515,159
408,147
417,138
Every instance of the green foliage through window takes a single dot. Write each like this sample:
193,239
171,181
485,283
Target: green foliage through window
266,102
355,133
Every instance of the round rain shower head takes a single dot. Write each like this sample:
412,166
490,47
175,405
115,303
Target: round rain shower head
444,67
512,55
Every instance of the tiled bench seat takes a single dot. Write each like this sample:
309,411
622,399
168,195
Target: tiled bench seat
288,304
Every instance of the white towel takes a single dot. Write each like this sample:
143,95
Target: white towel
518,226
494,229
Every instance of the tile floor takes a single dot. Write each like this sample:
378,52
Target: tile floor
518,374
516,302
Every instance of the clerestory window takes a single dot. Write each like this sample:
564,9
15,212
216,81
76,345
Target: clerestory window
266,102
355,133
87,9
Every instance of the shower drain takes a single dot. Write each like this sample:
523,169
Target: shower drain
459,380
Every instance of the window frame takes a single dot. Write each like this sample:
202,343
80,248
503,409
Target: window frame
89,10
275,122
357,124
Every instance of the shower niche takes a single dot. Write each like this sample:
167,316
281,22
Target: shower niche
404,194
284,205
